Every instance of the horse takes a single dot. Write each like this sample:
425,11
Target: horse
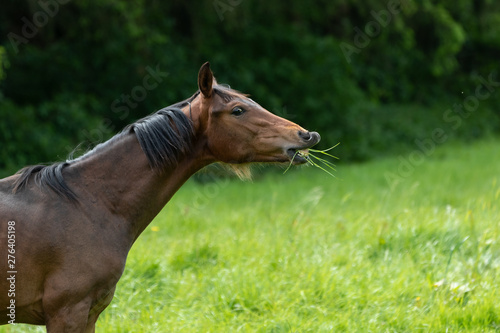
66,228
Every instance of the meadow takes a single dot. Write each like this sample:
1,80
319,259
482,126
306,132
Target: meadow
305,252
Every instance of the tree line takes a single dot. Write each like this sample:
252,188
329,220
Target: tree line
376,76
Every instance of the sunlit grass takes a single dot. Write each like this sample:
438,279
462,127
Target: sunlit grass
301,252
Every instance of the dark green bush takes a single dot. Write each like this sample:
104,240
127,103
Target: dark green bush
62,86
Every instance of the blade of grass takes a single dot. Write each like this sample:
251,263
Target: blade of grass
324,152
309,158
331,147
326,162
291,161
319,166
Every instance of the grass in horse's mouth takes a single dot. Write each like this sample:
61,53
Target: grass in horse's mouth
312,158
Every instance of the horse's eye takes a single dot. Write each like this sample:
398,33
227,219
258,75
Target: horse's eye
238,111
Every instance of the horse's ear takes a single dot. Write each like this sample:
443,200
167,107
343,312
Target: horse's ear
205,80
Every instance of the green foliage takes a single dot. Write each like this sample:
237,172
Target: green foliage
407,63
27,133
3,62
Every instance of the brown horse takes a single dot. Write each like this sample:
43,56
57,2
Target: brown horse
66,228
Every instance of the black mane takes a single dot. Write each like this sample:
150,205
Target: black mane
164,136
46,176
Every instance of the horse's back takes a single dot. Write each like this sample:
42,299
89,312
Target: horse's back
6,186
7,198
15,204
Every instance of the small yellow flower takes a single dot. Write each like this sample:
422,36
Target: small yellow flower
155,229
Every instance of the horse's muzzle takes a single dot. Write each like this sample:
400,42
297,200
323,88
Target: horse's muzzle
310,139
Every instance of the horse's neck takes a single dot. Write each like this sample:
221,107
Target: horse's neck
119,177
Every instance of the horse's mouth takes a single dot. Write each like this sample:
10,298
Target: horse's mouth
297,156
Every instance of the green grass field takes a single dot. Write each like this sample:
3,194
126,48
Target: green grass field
305,252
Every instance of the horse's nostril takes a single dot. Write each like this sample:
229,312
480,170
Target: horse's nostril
306,136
